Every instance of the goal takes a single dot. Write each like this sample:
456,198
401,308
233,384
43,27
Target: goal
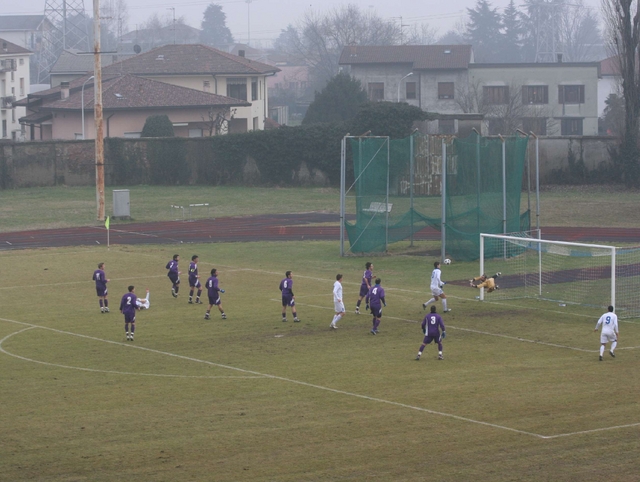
567,273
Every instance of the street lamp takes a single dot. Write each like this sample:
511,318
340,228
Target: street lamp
399,83
82,102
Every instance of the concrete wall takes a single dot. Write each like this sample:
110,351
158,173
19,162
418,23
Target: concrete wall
71,163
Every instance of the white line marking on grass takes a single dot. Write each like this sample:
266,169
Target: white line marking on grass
113,372
319,387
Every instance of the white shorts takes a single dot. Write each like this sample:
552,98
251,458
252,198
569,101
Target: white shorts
437,292
339,306
608,337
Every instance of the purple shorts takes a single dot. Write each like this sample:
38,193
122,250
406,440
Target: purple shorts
376,311
173,276
129,318
288,301
195,284
214,300
364,291
428,339
101,291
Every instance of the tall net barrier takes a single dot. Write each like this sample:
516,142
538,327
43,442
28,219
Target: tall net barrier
562,272
398,190
395,190
484,189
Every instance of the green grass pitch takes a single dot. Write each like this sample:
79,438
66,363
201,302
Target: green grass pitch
520,394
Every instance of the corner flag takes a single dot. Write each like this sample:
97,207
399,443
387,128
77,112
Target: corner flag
106,223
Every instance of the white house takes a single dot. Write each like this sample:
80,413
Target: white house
14,85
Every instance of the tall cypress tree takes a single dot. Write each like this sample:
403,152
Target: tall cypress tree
484,32
214,27
512,37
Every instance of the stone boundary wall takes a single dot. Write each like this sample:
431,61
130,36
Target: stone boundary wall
71,163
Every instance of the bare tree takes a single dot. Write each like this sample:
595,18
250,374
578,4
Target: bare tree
422,34
622,20
319,39
579,32
216,122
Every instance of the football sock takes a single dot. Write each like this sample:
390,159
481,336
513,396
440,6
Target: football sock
440,347
601,350
614,345
133,328
101,303
176,287
421,349
190,293
432,300
376,323
199,293
444,304
358,303
440,352
106,303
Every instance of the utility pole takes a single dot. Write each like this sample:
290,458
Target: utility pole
174,23
97,73
248,21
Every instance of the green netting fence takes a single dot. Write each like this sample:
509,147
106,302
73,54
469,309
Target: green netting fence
398,190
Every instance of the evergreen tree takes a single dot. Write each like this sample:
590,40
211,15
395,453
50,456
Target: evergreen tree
512,37
340,100
483,32
214,27
158,126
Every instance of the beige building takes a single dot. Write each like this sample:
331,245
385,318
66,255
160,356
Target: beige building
127,101
546,98
14,85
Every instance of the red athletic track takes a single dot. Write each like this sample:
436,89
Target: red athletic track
271,227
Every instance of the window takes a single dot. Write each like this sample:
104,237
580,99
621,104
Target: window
21,61
446,126
254,88
376,91
571,94
494,95
195,132
4,128
255,124
21,86
411,90
237,88
445,90
206,85
496,126
535,94
571,127
537,125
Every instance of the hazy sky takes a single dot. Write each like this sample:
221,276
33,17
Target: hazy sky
268,17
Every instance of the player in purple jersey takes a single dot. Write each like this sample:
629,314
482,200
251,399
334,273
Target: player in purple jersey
214,295
365,286
174,274
128,307
194,282
288,298
376,300
101,287
433,329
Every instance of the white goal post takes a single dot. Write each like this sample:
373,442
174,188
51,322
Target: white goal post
564,272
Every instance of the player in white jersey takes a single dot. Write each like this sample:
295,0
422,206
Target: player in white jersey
143,303
436,288
337,301
609,322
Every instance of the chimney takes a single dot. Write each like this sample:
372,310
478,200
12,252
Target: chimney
559,56
241,53
64,90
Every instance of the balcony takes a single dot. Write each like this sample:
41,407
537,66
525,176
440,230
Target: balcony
7,102
8,65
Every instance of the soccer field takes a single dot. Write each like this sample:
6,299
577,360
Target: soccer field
520,394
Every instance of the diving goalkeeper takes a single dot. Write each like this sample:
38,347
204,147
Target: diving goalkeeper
484,282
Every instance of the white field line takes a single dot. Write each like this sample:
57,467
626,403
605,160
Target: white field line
319,387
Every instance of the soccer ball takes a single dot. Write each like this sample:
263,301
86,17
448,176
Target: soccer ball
447,261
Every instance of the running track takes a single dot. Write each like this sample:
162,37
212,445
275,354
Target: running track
271,227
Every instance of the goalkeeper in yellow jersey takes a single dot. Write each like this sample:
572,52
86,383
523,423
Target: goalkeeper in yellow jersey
483,282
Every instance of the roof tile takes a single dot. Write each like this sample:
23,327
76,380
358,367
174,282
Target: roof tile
426,57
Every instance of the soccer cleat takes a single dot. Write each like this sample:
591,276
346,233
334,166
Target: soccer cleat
357,311
497,287
207,316
418,357
611,353
198,302
131,337
446,311
174,294
376,331
224,316
190,301
101,310
440,357
296,320
424,306
600,357
106,310
333,327
284,320
498,274
373,332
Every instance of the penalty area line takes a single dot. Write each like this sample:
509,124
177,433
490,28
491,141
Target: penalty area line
323,388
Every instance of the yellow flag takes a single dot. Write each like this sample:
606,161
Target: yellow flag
106,223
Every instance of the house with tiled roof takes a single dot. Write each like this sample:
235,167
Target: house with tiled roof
127,102
546,98
209,70
14,85
72,65
24,30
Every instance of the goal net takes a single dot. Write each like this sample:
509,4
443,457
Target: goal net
563,272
